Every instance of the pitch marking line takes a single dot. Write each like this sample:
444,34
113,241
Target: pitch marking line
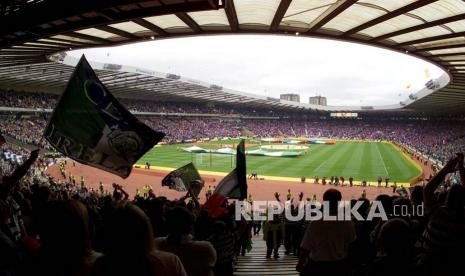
382,160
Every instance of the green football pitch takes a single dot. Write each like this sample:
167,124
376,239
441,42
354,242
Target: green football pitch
357,159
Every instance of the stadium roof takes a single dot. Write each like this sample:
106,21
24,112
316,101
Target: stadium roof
32,30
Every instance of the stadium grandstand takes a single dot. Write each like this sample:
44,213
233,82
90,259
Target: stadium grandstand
131,201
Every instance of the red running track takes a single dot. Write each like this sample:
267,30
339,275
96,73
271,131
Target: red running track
260,189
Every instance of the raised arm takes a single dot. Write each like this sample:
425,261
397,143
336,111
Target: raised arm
276,195
11,180
125,194
461,169
433,184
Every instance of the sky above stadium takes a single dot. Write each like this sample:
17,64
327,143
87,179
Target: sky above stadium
345,73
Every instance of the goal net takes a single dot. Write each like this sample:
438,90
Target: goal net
207,160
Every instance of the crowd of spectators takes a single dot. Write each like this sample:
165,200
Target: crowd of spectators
60,227
424,239
56,227
49,101
26,130
27,100
183,129
436,139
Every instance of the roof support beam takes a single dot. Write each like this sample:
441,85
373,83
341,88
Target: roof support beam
389,15
88,37
53,43
421,26
45,11
330,13
154,28
70,43
25,53
280,12
448,55
431,39
18,62
189,21
442,47
230,10
116,31
35,47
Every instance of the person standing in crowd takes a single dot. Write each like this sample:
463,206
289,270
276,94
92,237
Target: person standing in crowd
394,187
291,232
244,236
65,240
197,257
273,234
443,238
100,188
325,245
257,226
351,181
129,247
223,241
14,223
395,250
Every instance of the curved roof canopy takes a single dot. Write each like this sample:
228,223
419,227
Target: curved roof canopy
433,30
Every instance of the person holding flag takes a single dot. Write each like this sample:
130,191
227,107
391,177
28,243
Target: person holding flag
185,179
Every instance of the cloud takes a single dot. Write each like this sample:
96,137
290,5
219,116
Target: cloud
346,73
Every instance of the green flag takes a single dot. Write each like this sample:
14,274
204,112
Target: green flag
240,189
183,179
90,126
234,185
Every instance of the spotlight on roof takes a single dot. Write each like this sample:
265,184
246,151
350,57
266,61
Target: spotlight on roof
406,51
297,33
152,37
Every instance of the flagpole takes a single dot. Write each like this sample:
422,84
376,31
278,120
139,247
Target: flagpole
194,198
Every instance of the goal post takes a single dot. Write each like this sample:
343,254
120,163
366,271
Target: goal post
207,160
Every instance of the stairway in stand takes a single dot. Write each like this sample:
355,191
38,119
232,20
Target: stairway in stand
255,263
